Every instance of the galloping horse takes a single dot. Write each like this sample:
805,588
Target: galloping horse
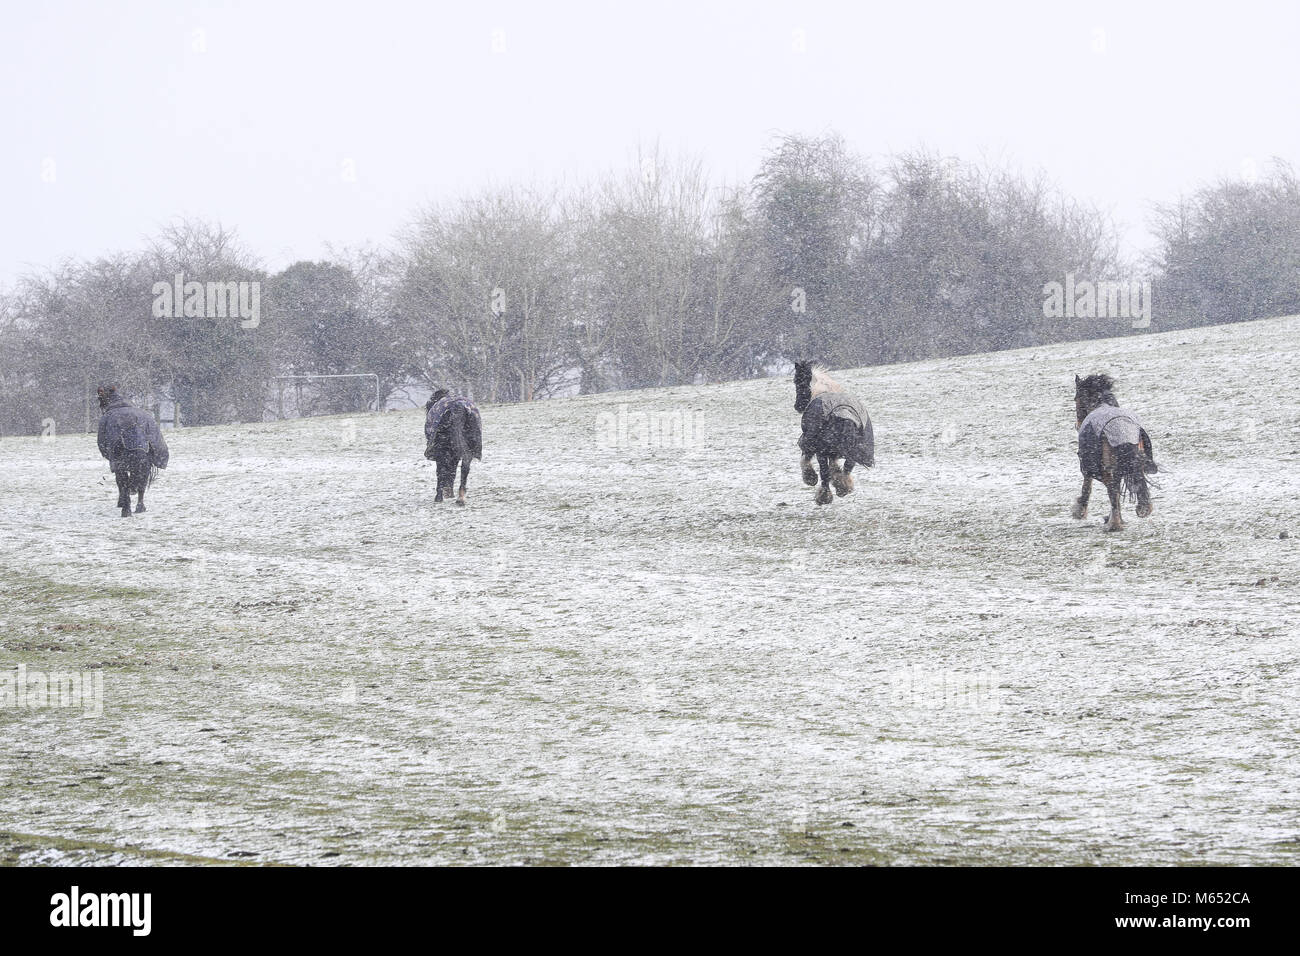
453,433
835,426
1114,448
133,444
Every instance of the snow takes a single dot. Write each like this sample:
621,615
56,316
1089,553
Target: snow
658,654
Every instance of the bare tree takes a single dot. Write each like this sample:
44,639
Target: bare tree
485,295
1231,251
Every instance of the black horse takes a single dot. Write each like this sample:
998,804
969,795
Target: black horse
1114,449
835,427
133,444
453,432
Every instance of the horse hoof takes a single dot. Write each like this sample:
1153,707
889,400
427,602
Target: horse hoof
1078,513
139,509
461,502
824,496
843,484
126,512
809,477
1144,511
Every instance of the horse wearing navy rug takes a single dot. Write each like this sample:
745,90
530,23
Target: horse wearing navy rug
836,431
1114,449
133,444
453,432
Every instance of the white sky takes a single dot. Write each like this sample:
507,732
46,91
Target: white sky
249,113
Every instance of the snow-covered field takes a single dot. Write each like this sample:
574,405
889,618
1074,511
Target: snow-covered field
668,654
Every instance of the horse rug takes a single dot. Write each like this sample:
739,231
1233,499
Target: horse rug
453,430
836,423
1117,426
128,434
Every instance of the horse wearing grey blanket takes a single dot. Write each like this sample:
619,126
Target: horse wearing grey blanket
453,432
1114,449
836,430
133,444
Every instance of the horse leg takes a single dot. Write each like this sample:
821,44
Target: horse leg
1115,523
141,480
1080,509
842,477
809,475
824,496
1144,507
464,478
444,481
123,491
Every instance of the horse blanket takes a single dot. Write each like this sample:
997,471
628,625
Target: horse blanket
1117,427
128,435
453,430
835,423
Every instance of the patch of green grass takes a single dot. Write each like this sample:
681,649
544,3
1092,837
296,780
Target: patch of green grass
26,588
14,846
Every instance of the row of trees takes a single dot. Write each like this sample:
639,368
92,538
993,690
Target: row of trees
63,332
1230,252
654,277
658,277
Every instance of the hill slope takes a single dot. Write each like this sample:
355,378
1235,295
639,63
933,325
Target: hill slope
663,653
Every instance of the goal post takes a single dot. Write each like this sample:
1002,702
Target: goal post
282,380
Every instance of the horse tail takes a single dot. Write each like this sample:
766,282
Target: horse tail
1132,467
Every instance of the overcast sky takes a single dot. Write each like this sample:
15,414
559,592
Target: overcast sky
305,123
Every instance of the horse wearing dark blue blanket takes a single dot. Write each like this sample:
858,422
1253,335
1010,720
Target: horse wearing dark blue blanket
835,427
133,444
453,432
1114,449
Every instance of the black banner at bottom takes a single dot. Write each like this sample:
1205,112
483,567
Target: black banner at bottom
223,905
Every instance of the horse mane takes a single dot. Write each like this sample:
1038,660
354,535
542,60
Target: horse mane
822,381
1101,386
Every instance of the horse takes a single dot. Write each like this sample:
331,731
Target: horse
835,427
133,444
453,432
1114,449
